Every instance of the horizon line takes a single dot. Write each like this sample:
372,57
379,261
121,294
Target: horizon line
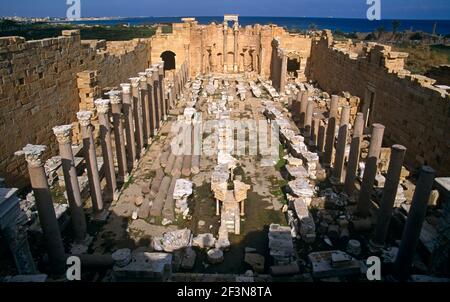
244,16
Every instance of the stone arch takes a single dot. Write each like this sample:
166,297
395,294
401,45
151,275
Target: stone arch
293,65
169,60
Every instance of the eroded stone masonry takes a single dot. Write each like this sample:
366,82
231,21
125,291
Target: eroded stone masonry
221,152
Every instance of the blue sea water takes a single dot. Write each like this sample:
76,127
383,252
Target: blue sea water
346,25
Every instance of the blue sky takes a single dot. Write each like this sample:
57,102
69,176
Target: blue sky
391,9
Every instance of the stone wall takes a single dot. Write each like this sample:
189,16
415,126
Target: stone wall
39,87
203,46
416,113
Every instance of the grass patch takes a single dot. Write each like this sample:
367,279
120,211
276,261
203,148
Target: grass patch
423,57
281,161
41,30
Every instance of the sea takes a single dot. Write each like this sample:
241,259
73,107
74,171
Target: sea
301,23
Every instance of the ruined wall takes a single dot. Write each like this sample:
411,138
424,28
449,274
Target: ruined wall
39,88
416,113
203,46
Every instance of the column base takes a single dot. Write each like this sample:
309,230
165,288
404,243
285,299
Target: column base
235,68
123,179
335,182
82,247
375,248
101,216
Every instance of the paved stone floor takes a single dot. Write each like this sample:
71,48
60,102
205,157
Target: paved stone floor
262,207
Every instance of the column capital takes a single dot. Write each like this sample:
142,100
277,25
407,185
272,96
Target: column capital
63,133
32,154
134,82
142,76
84,117
114,97
149,72
126,88
161,63
102,105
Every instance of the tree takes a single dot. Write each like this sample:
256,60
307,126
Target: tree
312,26
395,27
380,31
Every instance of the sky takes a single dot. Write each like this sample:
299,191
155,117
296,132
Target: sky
390,9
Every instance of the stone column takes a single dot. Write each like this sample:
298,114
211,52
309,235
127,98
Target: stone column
339,159
156,95
129,126
225,46
171,99
84,118
102,106
236,39
151,100
254,60
143,94
331,128
353,157
64,137
116,108
303,107
370,170
217,207
314,130
242,204
283,74
413,227
321,137
162,90
137,108
308,119
388,198
44,204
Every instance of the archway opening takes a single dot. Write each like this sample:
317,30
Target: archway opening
292,66
169,60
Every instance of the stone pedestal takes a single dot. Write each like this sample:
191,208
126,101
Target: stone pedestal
338,168
370,170
116,108
44,204
14,233
389,193
102,106
64,137
353,158
129,126
90,157
413,227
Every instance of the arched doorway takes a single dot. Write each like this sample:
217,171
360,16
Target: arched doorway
169,60
292,66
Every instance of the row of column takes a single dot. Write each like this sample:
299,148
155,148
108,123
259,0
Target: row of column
324,140
235,46
137,111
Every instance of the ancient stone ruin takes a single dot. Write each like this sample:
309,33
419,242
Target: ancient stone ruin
221,152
